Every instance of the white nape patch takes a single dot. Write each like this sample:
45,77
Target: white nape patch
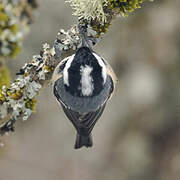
65,72
101,63
86,80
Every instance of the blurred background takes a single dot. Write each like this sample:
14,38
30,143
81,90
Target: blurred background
138,136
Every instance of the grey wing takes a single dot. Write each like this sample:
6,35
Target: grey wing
83,123
112,75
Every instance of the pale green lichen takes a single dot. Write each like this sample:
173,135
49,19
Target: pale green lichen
19,97
99,13
66,40
88,9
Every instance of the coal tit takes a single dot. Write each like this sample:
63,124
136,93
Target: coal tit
83,83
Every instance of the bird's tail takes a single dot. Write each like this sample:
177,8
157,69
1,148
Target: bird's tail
83,141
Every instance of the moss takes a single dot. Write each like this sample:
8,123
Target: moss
31,104
4,80
15,95
115,7
2,97
125,6
99,28
49,69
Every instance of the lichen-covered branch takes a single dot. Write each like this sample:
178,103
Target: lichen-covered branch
19,99
15,17
100,13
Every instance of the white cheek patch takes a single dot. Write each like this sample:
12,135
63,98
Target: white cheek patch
101,63
65,72
86,80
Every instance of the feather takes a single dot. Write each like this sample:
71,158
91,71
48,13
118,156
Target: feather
83,123
112,75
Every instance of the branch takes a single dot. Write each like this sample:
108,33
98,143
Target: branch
18,101
15,18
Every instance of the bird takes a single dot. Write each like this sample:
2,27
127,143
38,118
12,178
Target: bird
83,83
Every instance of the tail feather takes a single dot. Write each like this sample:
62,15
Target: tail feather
83,141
